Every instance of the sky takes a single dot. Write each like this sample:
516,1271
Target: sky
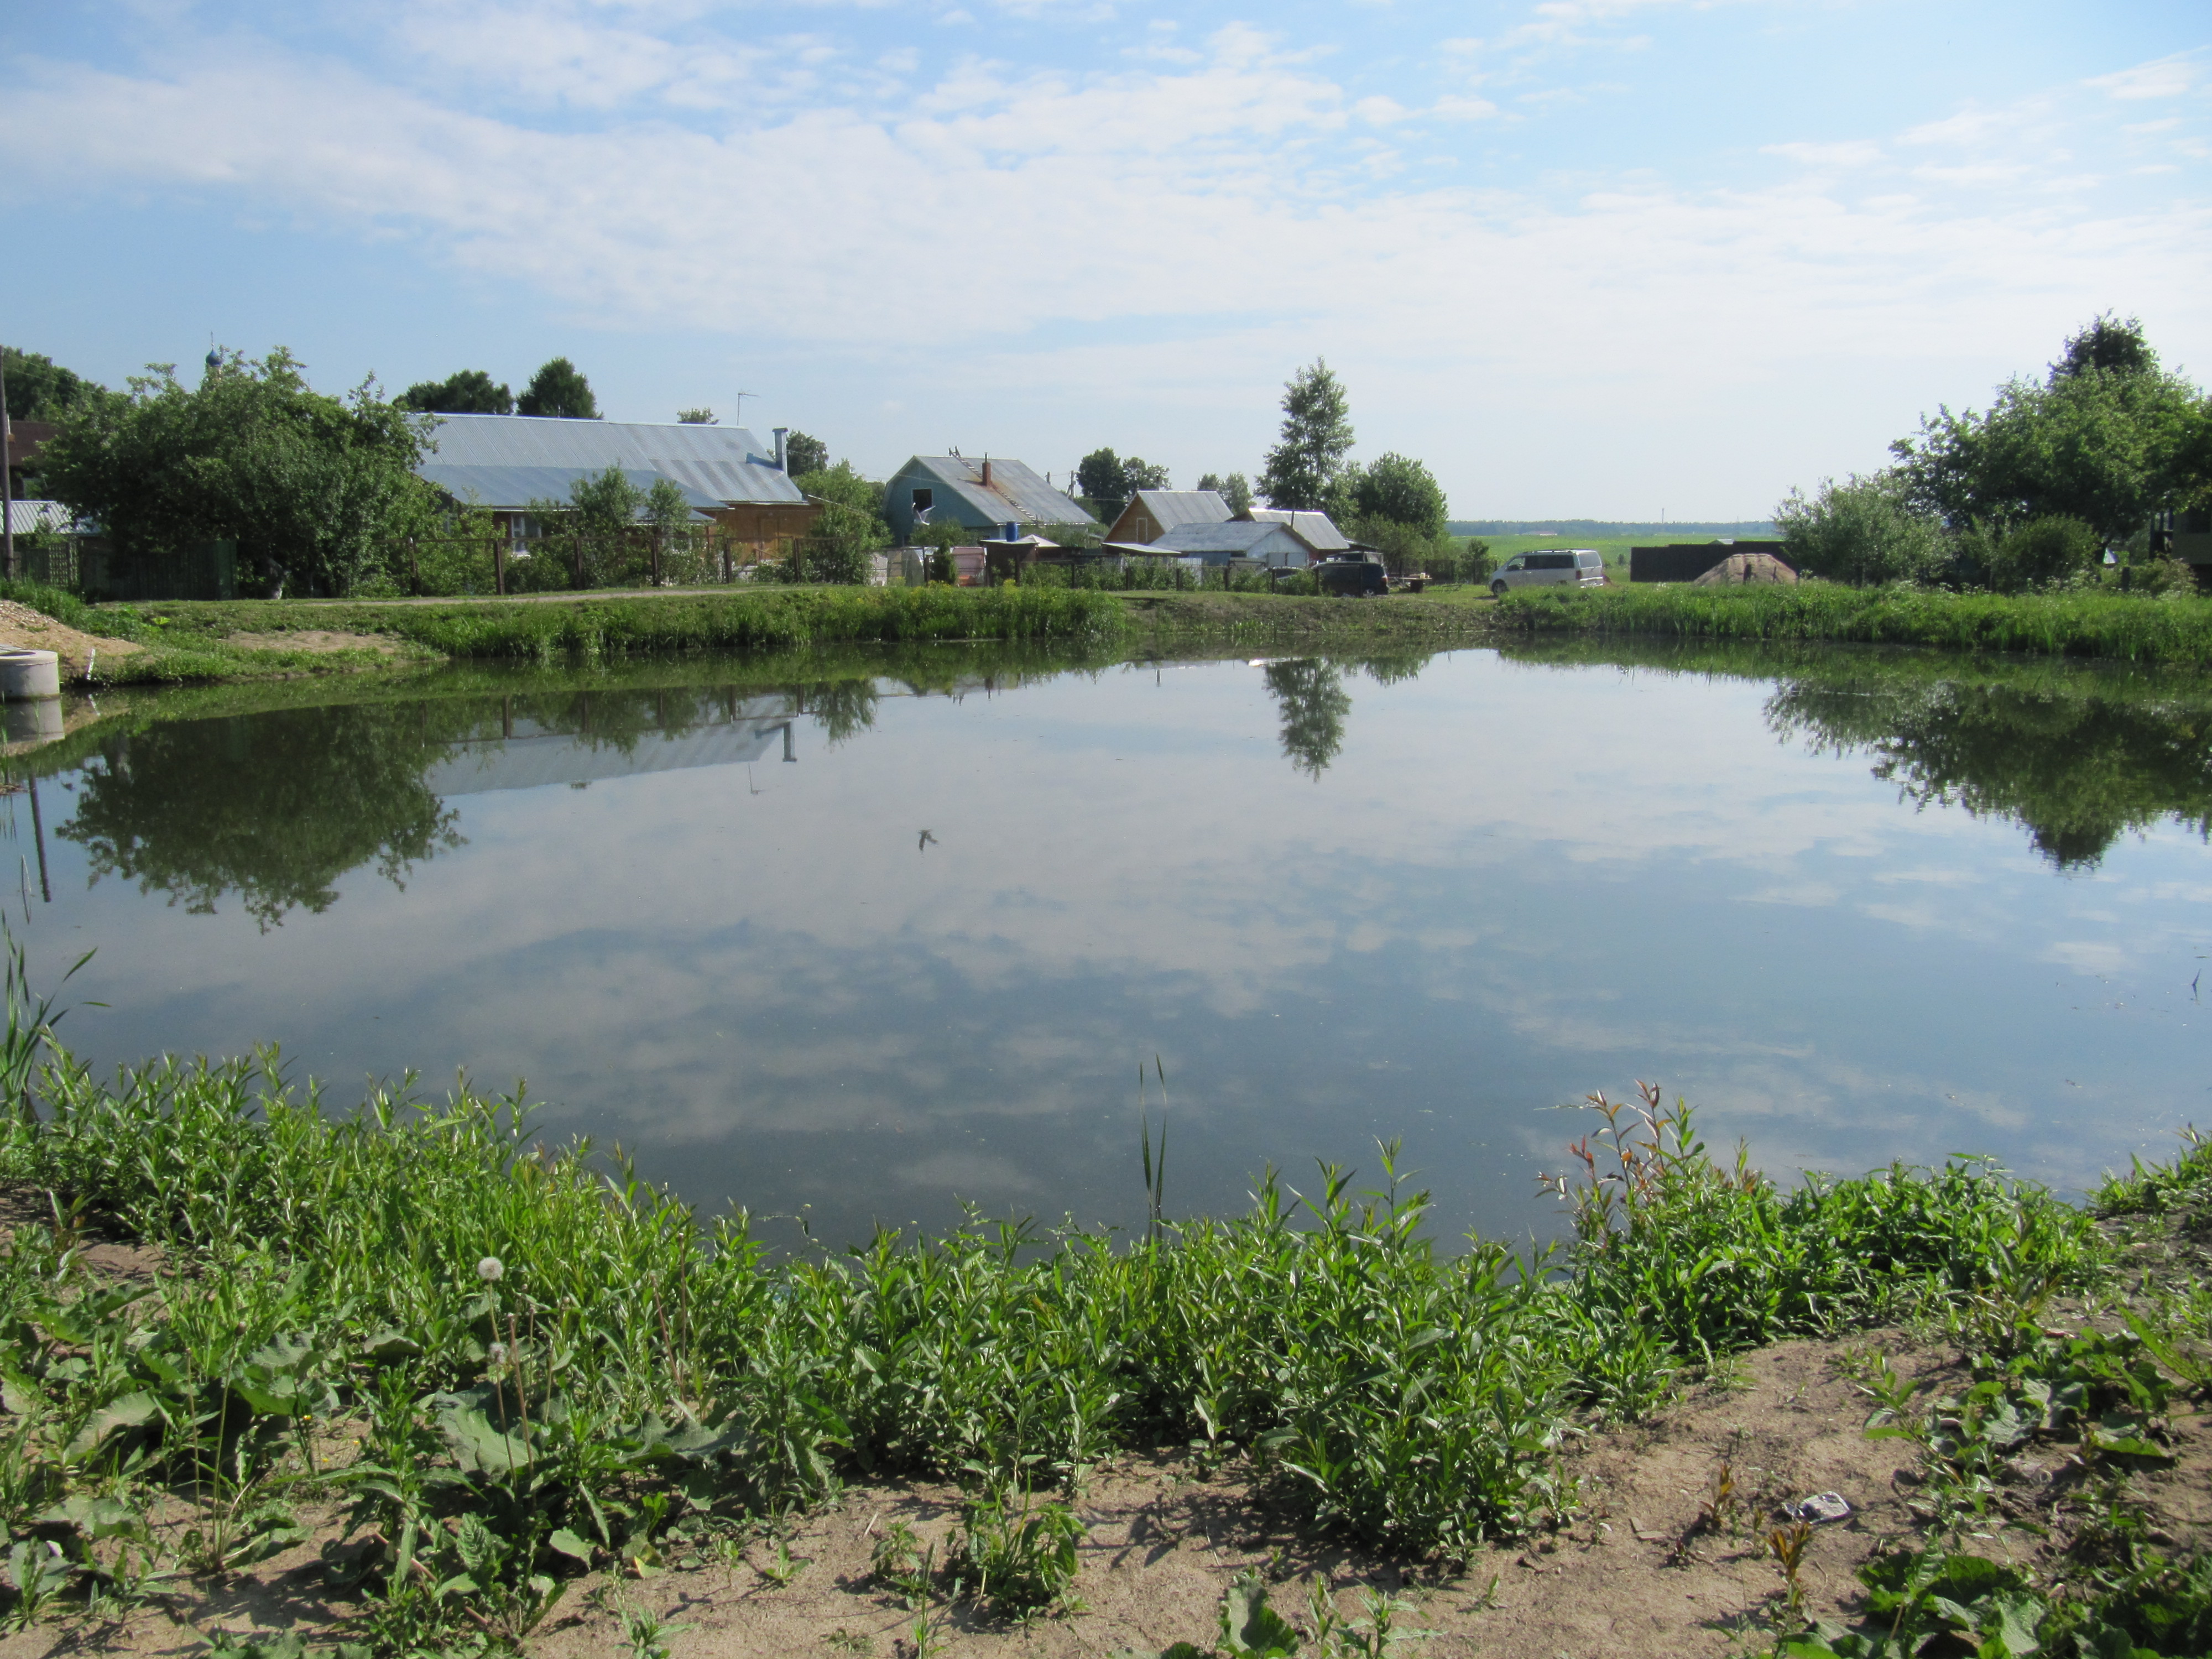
1604,259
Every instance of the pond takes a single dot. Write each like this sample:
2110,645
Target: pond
860,940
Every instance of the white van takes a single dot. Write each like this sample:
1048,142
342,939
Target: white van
1584,567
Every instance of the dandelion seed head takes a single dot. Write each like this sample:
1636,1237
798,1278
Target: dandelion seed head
499,1353
490,1270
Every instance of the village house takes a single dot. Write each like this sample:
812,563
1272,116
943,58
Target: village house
985,496
505,462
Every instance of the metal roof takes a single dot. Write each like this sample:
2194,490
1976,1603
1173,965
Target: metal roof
1169,508
24,517
1317,529
1236,536
510,487
1016,491
726,464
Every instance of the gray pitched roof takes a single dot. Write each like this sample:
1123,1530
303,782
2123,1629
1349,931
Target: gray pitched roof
1169,508
1317,529
1016,492
518,486
725,463
1233,535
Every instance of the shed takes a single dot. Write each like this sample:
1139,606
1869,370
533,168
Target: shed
1266,542
986,494
1317,530
1152,512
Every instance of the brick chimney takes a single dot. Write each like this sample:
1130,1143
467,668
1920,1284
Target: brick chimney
986,472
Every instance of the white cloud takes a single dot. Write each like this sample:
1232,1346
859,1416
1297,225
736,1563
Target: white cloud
2166,77
1855,152
1454,107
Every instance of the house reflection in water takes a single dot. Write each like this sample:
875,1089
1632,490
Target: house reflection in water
525,753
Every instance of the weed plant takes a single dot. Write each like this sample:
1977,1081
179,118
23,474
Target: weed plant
2175,630
549,1364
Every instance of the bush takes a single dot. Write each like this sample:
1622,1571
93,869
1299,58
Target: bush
2041,553
1863,531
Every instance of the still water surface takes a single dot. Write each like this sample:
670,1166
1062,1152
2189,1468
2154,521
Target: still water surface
863,948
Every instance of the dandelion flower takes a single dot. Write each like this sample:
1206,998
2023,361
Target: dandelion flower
489,1270
499,1353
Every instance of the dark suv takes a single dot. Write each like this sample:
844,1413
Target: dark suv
1351,579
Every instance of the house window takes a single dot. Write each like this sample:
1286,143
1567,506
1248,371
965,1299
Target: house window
923,500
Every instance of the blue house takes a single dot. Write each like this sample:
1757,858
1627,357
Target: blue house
984,496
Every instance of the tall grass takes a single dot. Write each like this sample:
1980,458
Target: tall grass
2175,630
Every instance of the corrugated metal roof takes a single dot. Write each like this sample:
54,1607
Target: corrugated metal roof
1315,529
725,463
1240,535
1016,492
510,487
1169,508
24,517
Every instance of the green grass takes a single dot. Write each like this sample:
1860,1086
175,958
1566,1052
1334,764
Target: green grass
546,1361
2174,631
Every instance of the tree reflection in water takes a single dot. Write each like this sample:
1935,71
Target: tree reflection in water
1310,694
274,807
2077,769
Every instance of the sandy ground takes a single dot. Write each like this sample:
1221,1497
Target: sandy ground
21,626
1637,1572
313,639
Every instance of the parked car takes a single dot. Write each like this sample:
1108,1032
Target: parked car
1352,578
1582,567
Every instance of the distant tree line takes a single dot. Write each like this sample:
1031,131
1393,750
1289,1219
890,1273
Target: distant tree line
2031,492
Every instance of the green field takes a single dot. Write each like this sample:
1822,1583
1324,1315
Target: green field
1615,548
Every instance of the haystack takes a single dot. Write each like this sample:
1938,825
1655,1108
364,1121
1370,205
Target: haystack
1750,568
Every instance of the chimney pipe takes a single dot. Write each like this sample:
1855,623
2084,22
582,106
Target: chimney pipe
783,449
986,472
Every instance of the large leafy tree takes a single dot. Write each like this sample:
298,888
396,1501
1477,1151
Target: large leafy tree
559,389
1400,490
1110,482
1303,469
2107,437
466,391
1236,490
40,389
803,454
315,490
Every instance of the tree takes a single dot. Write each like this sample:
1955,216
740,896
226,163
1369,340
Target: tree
1865,530
314,489
1137,473
2108,437
1401,490
560,390
467,392
696,417
1236,490
1317,437
1100,480
803,454
40,389
849,527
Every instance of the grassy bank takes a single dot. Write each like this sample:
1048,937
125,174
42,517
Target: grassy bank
515,1362
2175,632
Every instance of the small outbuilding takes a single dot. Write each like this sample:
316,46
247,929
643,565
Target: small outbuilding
1277,545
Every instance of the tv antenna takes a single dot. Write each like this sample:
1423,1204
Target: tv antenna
741,396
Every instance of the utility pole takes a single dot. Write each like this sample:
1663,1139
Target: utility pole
7,471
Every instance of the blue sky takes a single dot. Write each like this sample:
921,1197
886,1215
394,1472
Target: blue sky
1604,258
